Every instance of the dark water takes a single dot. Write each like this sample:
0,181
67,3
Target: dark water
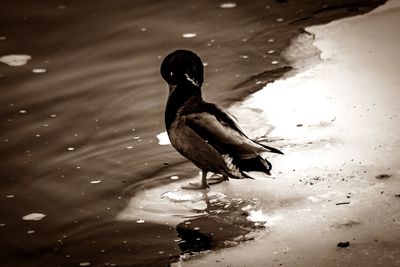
95,112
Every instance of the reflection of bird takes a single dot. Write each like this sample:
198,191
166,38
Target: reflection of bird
203,132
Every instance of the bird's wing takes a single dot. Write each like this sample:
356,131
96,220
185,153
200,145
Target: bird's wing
232,122
221,132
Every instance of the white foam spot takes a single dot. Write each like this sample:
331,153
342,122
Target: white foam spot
257,216
163,139
30,231
15,60
140,221
22,111
189,35
274,62
228,5
70,149
9,196
174,177
38,71
95,181
84,264
34,217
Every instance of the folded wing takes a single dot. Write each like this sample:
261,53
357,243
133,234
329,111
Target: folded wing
220,130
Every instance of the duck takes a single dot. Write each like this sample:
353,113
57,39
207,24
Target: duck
206,133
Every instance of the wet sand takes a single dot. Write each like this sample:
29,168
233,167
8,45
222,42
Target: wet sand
336,199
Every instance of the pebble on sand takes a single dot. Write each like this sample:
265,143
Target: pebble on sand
343,244
382,176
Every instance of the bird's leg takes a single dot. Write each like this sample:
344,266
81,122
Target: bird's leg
216,179
202,185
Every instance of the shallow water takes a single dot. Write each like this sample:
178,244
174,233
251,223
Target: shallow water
80,118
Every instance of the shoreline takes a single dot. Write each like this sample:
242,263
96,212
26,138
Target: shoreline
352,194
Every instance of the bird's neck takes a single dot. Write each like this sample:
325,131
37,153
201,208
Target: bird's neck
178,97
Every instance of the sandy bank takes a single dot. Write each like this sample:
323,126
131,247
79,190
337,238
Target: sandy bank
338,124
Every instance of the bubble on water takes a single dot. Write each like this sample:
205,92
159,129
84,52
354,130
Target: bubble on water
9,196
53,115
244,56
271,40
143,29
30,231
22,111
95,181
2,38
189,35
84,263
129,147
274,62
38,71
15,60
2,224
271,51
174,177
71,149
228,5
161,252
279,19
34,217
140,221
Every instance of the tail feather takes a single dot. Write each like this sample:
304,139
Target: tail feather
257,164
271,149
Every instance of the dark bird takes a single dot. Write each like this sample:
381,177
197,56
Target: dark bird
205,133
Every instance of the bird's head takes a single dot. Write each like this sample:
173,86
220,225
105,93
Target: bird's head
183,67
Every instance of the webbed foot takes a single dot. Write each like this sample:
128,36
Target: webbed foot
195,186
216,179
